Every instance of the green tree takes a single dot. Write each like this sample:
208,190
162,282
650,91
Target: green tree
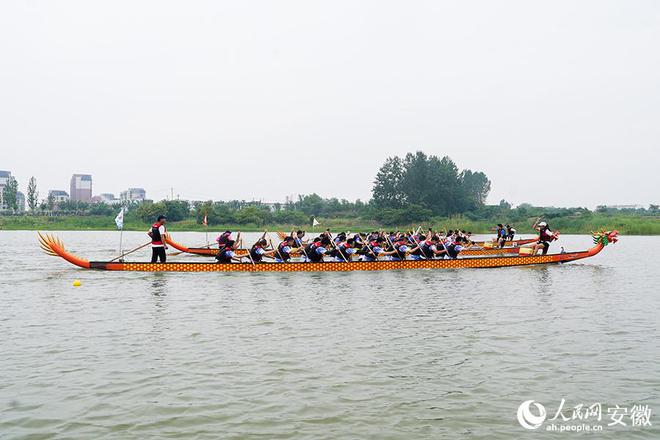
32,194
176,210
9,194
387,186
311,204
431,182
476,187
149,211
253,215
50,201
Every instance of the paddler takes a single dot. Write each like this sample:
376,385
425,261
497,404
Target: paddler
223,239
259,250
284,249
546,236
510,232
398,251
158,234
375,248
452,247
501,235
315,251
226,254
298,236
344,251
424,249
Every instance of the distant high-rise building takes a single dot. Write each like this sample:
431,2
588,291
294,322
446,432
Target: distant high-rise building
133,195
81,188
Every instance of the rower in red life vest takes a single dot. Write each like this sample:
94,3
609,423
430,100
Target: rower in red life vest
223,239
260,250
227,254
452,246
399,249
344,250
158,234
546,236
283,252
425,249
298,237
314,252
374,249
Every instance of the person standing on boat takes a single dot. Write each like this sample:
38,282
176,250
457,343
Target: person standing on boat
546,236
158,234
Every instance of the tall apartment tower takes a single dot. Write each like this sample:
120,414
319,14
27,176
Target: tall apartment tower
81,188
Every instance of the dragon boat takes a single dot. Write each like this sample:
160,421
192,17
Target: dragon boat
53,246
492,243
472,251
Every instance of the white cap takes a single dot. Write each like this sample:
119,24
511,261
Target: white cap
543,224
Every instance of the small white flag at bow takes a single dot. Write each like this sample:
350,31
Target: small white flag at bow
314,222
119,220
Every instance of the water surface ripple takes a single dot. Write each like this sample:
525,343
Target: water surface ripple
402,354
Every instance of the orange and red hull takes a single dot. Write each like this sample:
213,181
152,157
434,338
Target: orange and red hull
54,246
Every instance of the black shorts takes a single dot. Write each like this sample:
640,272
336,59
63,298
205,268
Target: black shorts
158,253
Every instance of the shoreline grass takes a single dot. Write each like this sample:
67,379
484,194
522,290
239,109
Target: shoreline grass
626,224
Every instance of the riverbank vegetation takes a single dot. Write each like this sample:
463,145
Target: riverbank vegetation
414,190
569,221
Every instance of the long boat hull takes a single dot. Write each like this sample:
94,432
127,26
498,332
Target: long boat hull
54,246
211,252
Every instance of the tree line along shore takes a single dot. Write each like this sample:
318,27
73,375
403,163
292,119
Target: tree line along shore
626,223
416,189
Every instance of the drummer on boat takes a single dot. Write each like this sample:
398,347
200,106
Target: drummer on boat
546,236
158,234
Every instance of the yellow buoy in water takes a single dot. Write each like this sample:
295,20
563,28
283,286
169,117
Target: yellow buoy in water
77,283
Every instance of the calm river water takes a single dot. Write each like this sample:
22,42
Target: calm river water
405,354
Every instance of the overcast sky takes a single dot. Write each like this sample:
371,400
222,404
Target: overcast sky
557,102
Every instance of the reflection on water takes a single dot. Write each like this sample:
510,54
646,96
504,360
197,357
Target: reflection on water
159,284
401,354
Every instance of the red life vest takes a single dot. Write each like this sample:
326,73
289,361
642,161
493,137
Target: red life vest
546,234
156,239
256,257
285,256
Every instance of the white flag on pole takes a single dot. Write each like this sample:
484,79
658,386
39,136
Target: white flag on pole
314,222
119,220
